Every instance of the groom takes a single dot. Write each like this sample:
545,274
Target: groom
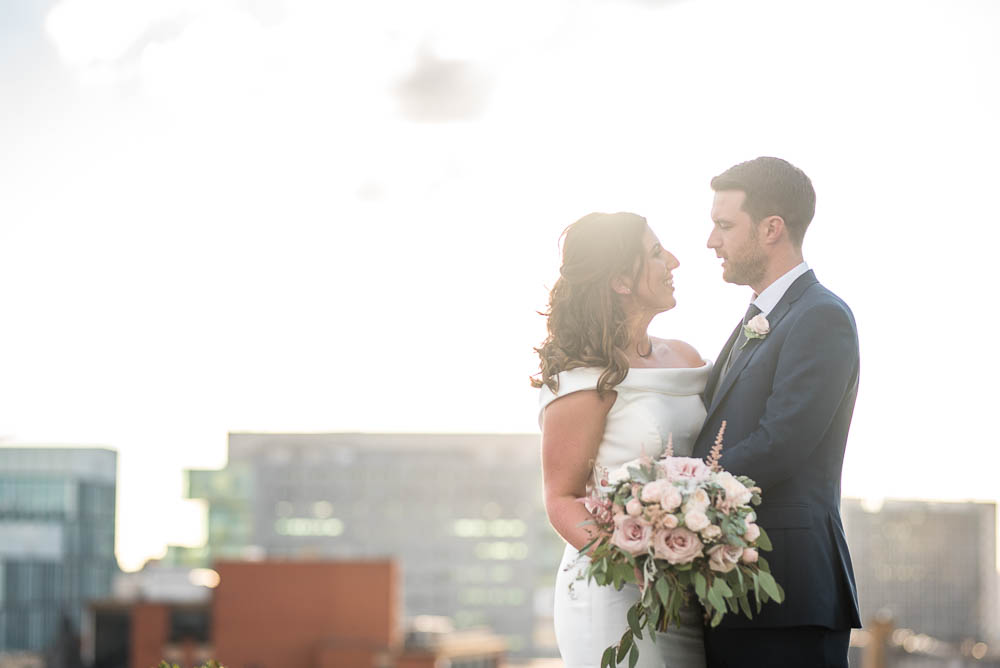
787,394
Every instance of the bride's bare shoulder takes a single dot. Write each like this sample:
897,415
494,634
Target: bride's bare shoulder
685,351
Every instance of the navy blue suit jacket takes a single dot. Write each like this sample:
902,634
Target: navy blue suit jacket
787,402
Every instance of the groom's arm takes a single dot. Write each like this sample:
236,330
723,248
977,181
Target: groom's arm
817,362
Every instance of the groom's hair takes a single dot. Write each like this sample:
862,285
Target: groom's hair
773,187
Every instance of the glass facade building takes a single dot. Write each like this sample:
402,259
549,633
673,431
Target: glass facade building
462,514
57,540
931,564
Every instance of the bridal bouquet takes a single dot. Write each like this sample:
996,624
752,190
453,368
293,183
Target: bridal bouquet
678,524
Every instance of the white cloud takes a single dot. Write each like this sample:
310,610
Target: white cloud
90,33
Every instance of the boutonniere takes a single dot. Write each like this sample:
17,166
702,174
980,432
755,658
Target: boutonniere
757,328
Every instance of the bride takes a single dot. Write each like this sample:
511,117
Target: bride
609,393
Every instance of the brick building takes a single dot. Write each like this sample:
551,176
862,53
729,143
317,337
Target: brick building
285,614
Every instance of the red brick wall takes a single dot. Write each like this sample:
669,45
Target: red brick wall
150,626
280,614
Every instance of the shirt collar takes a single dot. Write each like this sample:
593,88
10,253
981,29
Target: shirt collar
772,294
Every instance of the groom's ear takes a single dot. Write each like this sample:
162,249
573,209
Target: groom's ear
772,229
621,286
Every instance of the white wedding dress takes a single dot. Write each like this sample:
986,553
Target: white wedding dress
651,406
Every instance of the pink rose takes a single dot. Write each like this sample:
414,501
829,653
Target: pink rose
678,468
653,491
752,534
631,534
723,558
671,498
670,521
749,556
676,546
711,532
633,507
696,520
751,517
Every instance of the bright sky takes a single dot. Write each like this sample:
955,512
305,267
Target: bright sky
301,215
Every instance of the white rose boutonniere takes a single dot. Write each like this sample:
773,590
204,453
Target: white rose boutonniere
757,328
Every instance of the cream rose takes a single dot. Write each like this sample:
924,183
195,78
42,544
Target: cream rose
671,498
653,491
696,520
711,532
677,546
723,558
759,326
670,521
752,534
631,534
749,556
697,501
736,492
633,507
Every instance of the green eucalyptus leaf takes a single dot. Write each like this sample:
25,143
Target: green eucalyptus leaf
764,541
663,589
723,588
700,585
745,606
647,597
715,598
633,620
633,656
653,620
625,645
739,580
770,586
608,658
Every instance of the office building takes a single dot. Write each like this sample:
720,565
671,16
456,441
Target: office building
462,513
931,565
57,541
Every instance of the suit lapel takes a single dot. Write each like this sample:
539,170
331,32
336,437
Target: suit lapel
720,361
778,313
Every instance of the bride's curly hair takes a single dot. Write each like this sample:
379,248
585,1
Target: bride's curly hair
585,319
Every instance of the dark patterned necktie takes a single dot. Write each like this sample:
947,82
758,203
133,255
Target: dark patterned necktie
741,341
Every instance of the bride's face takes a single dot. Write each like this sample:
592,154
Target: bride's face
654,289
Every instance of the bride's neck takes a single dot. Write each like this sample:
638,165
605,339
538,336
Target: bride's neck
639,342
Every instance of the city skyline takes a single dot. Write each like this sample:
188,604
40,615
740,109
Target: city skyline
286,215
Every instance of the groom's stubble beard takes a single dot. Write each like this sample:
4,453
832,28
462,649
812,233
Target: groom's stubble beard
751,266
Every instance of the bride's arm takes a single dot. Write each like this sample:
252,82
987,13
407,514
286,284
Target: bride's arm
572,431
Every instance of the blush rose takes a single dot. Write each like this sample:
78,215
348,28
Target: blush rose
676,546
631,534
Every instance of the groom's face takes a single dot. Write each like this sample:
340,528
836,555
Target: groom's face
734,239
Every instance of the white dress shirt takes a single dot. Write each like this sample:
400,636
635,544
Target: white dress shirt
767,300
